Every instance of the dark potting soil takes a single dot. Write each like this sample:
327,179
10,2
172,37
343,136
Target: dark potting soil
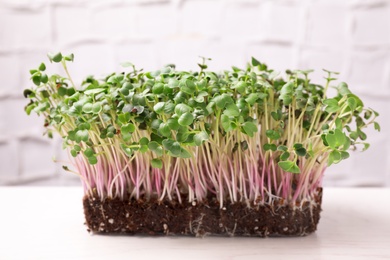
154,217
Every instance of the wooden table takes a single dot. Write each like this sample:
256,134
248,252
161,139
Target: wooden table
47,223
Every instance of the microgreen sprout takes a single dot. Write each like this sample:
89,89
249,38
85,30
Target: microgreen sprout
240,135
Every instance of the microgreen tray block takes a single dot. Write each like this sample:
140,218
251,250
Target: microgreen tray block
238,152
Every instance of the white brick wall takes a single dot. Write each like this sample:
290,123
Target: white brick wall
352,37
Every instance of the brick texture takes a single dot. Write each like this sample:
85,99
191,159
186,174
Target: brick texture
352,37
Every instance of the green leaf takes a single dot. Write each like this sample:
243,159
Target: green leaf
62,91
156,148
354,135
182,137
70,91
42,67
153,145
300,151
159,107
128,151
69,57
367,114
143,148
202,66
164,130
72,135
186,119
347,143
155,73
180,97
36,80
127,128
289,166
338,124
199,138
29,108
89,152
377,126
342,89
189,140
241,103
81,135
240,87
139,100
57,57
156,124
28,93
96,108
144,141
94,91
332,105
331,140
125,91
282,148
74,153
297,146
173,124
272,134
124,118
182,108
253,97
249,128
334,157
173,83
127,85
223,100
127,64
226,123
84,126
340,137
231,110
44,93
169,108
92,160
44,78
200,97
157,163
172,146
255,62
277,115
344,155
188,86
87,108
352,103
284,156
184,153
271,147
286,93
359,122
42,107
158,88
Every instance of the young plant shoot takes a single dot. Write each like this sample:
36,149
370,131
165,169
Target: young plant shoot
240,135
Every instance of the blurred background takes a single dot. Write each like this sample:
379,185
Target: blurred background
351,37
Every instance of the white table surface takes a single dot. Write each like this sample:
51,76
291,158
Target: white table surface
47,223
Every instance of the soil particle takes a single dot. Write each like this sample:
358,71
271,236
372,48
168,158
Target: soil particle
201,218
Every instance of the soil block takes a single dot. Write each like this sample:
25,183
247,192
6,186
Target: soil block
152,217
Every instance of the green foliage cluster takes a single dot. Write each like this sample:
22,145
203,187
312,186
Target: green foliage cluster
288,123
